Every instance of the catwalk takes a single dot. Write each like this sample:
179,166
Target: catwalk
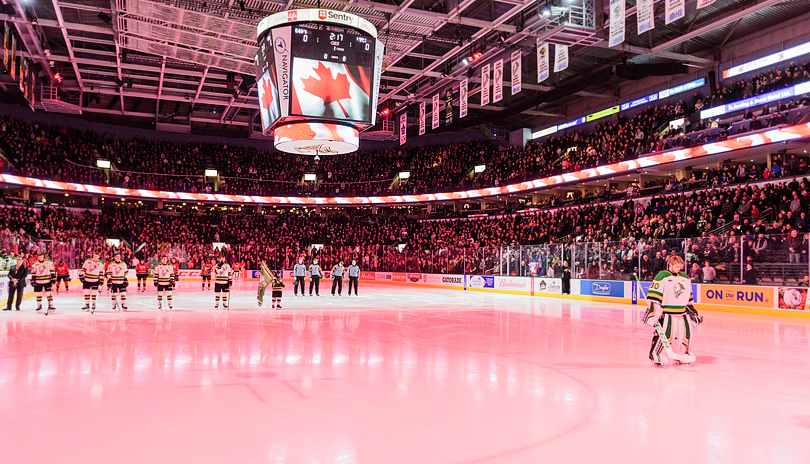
396,375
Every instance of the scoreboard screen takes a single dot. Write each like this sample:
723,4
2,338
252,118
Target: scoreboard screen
331,73
317,66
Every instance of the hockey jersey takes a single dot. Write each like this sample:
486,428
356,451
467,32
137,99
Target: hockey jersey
673,292
117,272
142,268
223,273
164,274
206,270
62,269
92,270
42,271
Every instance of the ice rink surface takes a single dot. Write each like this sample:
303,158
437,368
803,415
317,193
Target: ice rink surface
396,375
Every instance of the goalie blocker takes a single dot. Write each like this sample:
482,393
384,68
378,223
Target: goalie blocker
671,312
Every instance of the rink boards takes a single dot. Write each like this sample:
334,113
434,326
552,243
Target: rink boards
784,301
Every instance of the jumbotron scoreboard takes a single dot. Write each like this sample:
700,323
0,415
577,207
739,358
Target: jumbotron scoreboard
318,73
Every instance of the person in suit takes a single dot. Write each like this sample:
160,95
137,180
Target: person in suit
17,275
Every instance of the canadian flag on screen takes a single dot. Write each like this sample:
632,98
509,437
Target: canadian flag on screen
330,90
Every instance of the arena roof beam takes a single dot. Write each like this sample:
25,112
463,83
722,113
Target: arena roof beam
715,24
502,19
22,25
61,22
118,59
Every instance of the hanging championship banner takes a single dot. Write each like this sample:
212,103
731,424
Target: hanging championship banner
6,44
497,81
704,3
645,15
23,76
462,98
485,85
560,57
517,71
13,68
435,122
616,23
675,10
422,118
403,127
448,107
32,86
542,61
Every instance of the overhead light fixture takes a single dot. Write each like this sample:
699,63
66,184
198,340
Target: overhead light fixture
464,61
546,12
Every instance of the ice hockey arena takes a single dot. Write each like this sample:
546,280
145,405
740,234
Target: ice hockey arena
405,232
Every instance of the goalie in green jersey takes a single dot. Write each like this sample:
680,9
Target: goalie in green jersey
670,304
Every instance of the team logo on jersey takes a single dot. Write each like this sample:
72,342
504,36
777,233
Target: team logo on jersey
679,289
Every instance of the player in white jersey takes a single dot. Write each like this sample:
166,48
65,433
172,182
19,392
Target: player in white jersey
43,275
164,281
223,279
91,274
670,305
117,281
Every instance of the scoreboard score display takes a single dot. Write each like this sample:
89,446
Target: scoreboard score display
318,73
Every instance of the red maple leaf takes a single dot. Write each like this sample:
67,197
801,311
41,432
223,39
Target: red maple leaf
267,99
327,88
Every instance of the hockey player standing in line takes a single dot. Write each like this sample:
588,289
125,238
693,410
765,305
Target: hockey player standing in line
277,284
354,276
670,300
176,269
315,275
164,281
142,273
206,273
270,278
43,275
62,275
337,278
117,281
223,278
90,274
299,272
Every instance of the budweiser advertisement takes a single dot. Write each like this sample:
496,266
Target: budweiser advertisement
514,284
739,143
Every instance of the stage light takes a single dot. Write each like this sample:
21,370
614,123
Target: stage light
476,55
385,112
546,12
58,78
464,61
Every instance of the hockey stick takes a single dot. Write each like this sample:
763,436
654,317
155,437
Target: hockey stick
671,354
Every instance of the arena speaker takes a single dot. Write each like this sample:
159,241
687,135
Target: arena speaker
640,71
318,74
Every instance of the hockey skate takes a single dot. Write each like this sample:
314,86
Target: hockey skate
92,309
47,309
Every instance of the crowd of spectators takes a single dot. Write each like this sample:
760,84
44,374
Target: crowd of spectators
727,226
62,153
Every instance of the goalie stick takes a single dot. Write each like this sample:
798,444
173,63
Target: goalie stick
671,354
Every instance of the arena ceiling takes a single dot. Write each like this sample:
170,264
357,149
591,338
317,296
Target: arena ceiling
166,63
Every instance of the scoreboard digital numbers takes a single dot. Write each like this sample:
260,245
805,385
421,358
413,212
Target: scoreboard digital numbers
336,44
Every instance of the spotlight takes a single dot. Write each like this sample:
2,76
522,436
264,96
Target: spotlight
464,61
385,112
546,12
58,78
476,55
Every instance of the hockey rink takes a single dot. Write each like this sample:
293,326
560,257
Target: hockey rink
396,375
